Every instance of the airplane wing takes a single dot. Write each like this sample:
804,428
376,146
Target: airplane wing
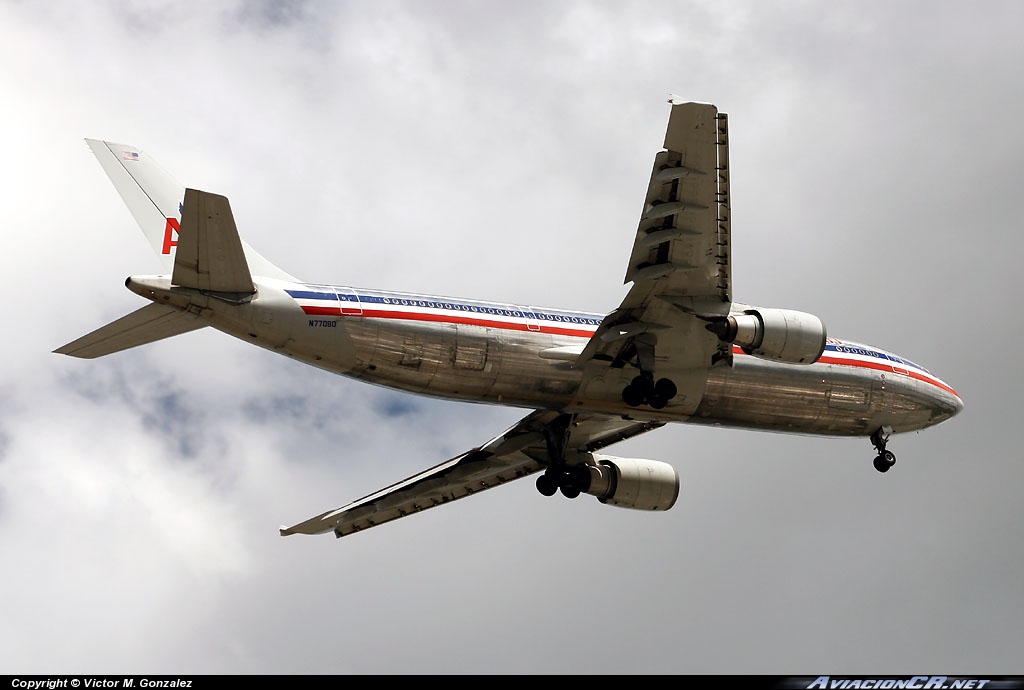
520,451
679,266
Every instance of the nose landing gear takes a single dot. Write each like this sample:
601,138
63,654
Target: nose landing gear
885,459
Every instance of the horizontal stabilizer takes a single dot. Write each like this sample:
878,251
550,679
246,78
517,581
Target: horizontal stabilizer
149,324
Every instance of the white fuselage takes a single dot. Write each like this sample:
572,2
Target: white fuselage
500,353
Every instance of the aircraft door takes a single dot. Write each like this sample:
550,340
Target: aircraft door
532,322
349,301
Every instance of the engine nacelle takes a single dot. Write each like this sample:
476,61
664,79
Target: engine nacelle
776,334
633,483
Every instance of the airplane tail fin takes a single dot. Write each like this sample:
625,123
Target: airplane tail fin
194,235
209,257
156,201
149,192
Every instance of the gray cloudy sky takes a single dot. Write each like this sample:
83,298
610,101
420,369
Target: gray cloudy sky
502,151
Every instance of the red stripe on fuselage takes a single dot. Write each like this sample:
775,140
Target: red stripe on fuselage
322,311
888,369
878,366
543,326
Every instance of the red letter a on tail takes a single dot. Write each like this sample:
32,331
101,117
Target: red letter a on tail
169,239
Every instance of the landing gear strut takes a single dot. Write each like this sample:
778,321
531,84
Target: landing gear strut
884,461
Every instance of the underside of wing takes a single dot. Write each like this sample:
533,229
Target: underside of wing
682,240
523,449
679,266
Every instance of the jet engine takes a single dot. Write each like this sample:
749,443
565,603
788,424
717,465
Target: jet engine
633,483
776,334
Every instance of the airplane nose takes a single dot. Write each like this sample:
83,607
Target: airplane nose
945,404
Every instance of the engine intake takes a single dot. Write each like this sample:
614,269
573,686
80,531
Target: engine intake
776,334
633,483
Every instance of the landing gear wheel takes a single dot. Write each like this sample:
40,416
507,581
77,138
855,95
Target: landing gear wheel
570,480
884,461
633,396
547,485
665,389
643,383
638,390
642,389
570,490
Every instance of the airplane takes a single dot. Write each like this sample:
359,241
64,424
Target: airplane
678,348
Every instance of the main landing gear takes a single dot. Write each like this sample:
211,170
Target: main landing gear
571,480
643,389
885,459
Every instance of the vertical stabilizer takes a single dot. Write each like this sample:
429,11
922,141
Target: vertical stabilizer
156,200
149,192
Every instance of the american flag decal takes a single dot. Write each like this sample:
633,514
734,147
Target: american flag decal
130,155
